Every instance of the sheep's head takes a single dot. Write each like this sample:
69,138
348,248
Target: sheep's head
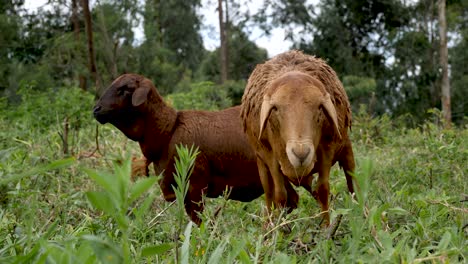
293,110
122,104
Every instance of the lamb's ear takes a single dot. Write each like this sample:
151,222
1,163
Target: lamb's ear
330,111
265,112
141,93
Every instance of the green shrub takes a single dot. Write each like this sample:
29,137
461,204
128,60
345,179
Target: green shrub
235,90
203,96
360,90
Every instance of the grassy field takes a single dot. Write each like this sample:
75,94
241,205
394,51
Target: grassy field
74,202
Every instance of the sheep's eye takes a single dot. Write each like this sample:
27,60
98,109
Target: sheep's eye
122,91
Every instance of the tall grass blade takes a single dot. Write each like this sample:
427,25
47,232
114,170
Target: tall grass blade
185,249
217,253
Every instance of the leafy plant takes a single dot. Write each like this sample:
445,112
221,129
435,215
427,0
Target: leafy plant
117,201
184,167
203,96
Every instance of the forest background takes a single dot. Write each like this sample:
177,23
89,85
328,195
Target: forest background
385,52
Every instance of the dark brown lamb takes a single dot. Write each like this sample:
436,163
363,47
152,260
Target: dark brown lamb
296,115
226,160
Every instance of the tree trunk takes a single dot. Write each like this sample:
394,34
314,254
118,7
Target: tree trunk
76,33
74,18
447,113
110,54
89,35
223,47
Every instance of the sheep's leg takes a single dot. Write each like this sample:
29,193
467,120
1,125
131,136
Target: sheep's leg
166,184
266,183
346,161
293,198
279,183
322,191
306,183
194,205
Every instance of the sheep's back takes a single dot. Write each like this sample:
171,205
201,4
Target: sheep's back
218,134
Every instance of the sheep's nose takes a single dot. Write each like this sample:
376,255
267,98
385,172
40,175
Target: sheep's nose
96,110
301,151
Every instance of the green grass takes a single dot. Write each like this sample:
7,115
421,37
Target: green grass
81,207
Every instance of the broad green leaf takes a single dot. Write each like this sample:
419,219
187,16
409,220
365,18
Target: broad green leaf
122,221
343,211
86,254
105,251
106,181
140,187
101,201
50,230
385,239
398,211
121,179
27,258
444,242
236,247
244,257
144,207
156,250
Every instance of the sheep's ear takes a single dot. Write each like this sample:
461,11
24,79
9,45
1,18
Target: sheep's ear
265,112
330,111
141,94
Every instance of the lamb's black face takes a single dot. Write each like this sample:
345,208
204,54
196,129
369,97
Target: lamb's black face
115,105
123,105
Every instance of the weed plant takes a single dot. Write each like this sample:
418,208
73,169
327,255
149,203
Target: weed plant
81,207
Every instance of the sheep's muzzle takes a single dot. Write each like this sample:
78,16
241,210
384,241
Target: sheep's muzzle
100,115
301,155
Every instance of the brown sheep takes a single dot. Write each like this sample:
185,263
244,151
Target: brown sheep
226,161
296,115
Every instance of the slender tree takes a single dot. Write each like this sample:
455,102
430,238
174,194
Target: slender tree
76,33
446,108
89,35
110,54
224,44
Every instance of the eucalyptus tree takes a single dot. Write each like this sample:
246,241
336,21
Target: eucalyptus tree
245,55
10,23
457,22
172,48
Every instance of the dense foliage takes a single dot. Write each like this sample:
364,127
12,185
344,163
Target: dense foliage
392,47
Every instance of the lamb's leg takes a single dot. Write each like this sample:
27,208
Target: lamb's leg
346,161
166,184
194,205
